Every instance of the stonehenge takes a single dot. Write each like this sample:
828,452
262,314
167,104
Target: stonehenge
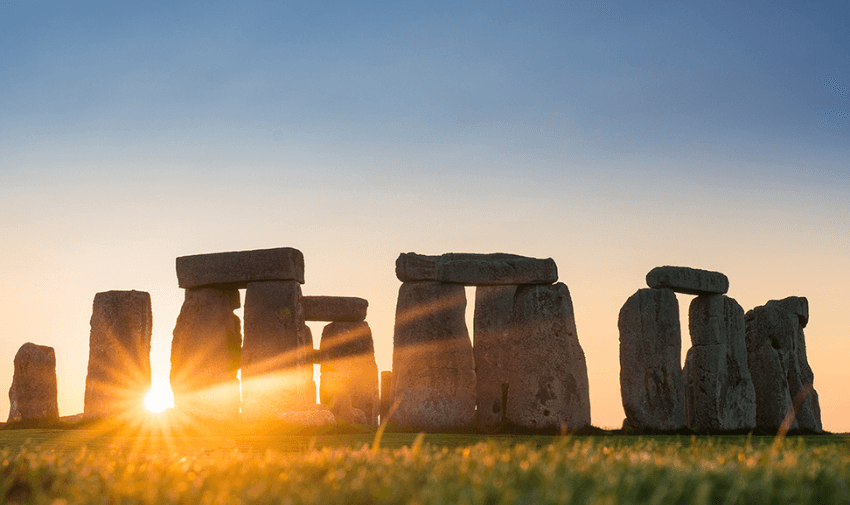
33,395
526,370
741,372
119,370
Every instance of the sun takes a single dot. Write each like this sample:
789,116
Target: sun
159,398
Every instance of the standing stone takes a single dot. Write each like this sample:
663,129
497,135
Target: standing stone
776,353
310,358
273,355
691,281
206,353
718,388
33,395
547,376
493,350
651,382
119,370
349,370
386,394
476,269
433,367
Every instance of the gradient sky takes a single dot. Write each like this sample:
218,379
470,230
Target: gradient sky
612,137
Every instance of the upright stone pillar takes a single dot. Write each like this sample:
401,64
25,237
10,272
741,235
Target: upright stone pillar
782,377
33,395
651,382
273,355
719,389
349,369
433,367
119,370
547,377
206,353
493,351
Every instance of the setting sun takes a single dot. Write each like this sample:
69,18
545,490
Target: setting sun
159,398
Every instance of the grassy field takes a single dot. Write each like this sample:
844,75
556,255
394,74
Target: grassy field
87,466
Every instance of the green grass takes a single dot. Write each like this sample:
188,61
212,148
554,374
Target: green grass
86,466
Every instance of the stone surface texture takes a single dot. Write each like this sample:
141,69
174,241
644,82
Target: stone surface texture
776,353
476,269
686,280
349,369
718,388
493,350
334,308
33,395
651,382
119,370
206,351
273,353
433,366
234,270
547,377
386,393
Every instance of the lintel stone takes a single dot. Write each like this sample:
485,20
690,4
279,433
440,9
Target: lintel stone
476,269
334,308
691,281
234,270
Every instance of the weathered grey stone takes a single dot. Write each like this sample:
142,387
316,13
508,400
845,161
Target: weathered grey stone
718,388
547,377
273,354
476,269
334,308
206,351
349,368
433,367
493,348
33,395
691,281
776,354
119,369
651,382
386,393
234,270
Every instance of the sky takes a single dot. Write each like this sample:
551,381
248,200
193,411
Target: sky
611,137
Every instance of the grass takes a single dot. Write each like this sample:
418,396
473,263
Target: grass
90,466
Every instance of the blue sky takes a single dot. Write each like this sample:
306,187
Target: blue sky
613,137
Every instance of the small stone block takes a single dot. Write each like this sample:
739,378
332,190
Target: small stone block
334,308
691,281
476,269
235,270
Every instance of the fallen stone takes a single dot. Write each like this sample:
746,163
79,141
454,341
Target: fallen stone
206,351
686,280
349,368
476,269
234,270
718,387
33,395
308,418
119,370
776,354
433,366
334,308
547,385
493,350
651,382
273,354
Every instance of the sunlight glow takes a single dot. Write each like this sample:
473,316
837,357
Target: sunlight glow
159,398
